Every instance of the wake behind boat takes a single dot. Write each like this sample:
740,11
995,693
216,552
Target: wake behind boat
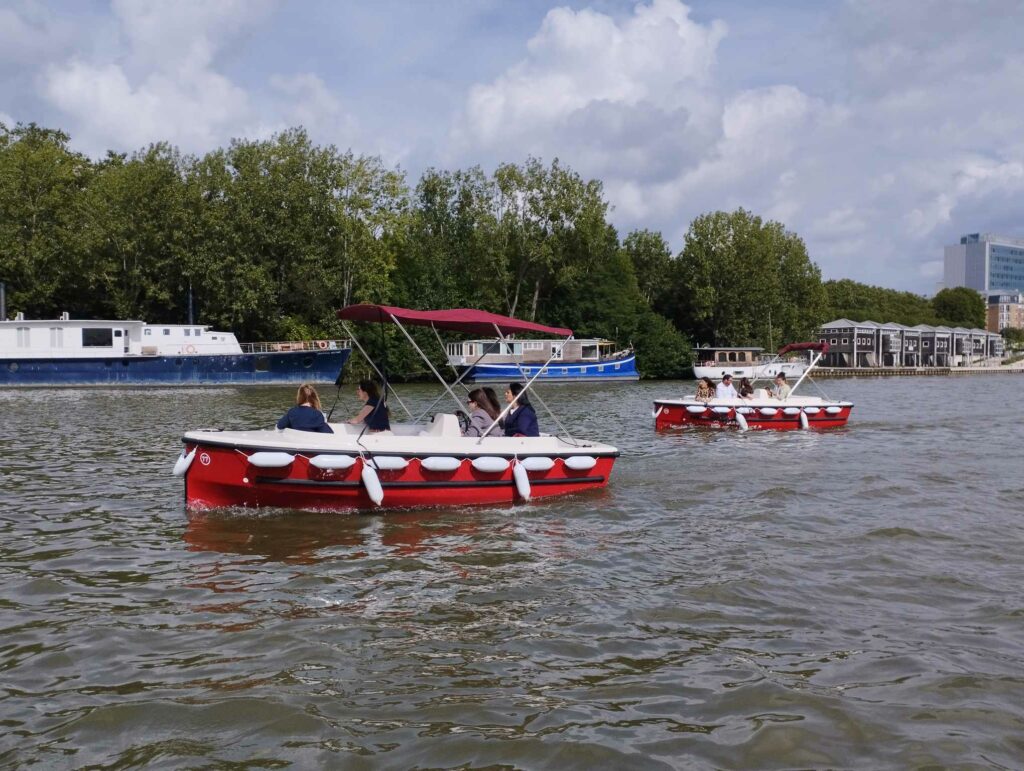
424,462
762,411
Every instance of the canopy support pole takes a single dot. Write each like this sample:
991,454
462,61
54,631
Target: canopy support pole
806,372
440,342
423,356
379,374
457,382
526,387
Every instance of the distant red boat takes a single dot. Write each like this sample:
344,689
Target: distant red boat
762,412
417,464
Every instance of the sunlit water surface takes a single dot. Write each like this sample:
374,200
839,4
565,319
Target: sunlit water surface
850,598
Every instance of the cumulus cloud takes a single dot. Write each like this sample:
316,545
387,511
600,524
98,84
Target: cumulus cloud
892,149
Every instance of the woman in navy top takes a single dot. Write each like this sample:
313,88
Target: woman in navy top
306,414
522,420
374,412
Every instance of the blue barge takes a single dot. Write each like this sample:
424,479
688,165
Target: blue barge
65,352
570,361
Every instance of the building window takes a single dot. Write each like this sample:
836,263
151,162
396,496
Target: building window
188,333
197,332
167,331
147,332
533,346
846,340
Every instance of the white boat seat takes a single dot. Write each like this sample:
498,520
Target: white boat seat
444,424
760,393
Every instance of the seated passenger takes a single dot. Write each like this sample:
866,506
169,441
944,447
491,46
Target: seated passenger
522,419
705,389
725,389
746,389
781,390
374,412
481,413
306,414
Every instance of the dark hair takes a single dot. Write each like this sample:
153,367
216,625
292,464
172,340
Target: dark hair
708,382
495,404
483,401
517,391
307,393
780,374
726,376
369,388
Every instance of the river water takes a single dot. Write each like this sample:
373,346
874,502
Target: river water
850,598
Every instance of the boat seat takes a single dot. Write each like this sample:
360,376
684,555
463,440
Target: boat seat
760,393
444,424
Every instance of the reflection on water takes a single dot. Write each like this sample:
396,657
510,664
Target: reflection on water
839,599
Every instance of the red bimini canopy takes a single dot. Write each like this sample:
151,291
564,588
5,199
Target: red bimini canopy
466,320
822,346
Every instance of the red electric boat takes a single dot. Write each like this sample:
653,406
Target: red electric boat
415,464
763,411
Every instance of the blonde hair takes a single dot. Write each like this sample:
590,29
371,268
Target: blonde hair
307,393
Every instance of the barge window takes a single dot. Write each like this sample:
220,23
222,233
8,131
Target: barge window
534,346
167,331
23,337
588,352
56,337
97,338
188,333
147,332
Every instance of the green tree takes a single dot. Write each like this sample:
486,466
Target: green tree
742,281
960,307
41,220
652,264
861,302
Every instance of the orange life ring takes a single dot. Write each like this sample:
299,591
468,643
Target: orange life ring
321,344
190,349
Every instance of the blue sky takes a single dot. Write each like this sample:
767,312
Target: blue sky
878,131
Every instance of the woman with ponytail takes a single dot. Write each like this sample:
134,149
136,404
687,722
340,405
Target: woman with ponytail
306,414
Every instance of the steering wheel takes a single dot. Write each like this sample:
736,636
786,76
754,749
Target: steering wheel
463,420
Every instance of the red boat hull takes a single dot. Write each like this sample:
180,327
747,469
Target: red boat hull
223,477
677,415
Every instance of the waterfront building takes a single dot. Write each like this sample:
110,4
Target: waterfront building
871,344
986,262
1005,311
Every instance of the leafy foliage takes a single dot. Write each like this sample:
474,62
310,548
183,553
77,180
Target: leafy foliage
961,307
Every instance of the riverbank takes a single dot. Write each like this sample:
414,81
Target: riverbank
1014,369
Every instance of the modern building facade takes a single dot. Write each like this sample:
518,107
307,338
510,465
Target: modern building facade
870,344
986,262
1005,311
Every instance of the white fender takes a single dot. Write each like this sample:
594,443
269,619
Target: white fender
580,462
490,464
440,463
183,462
372,484
803,422
695,409
768,411
388,463
522,480
812,410
271,459
537,464
331,462
833,410
792,410
722,410
745,410
741,421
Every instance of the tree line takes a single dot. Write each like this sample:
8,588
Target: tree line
270,237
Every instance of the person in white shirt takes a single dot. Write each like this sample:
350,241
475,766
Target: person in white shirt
781,389
725,389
